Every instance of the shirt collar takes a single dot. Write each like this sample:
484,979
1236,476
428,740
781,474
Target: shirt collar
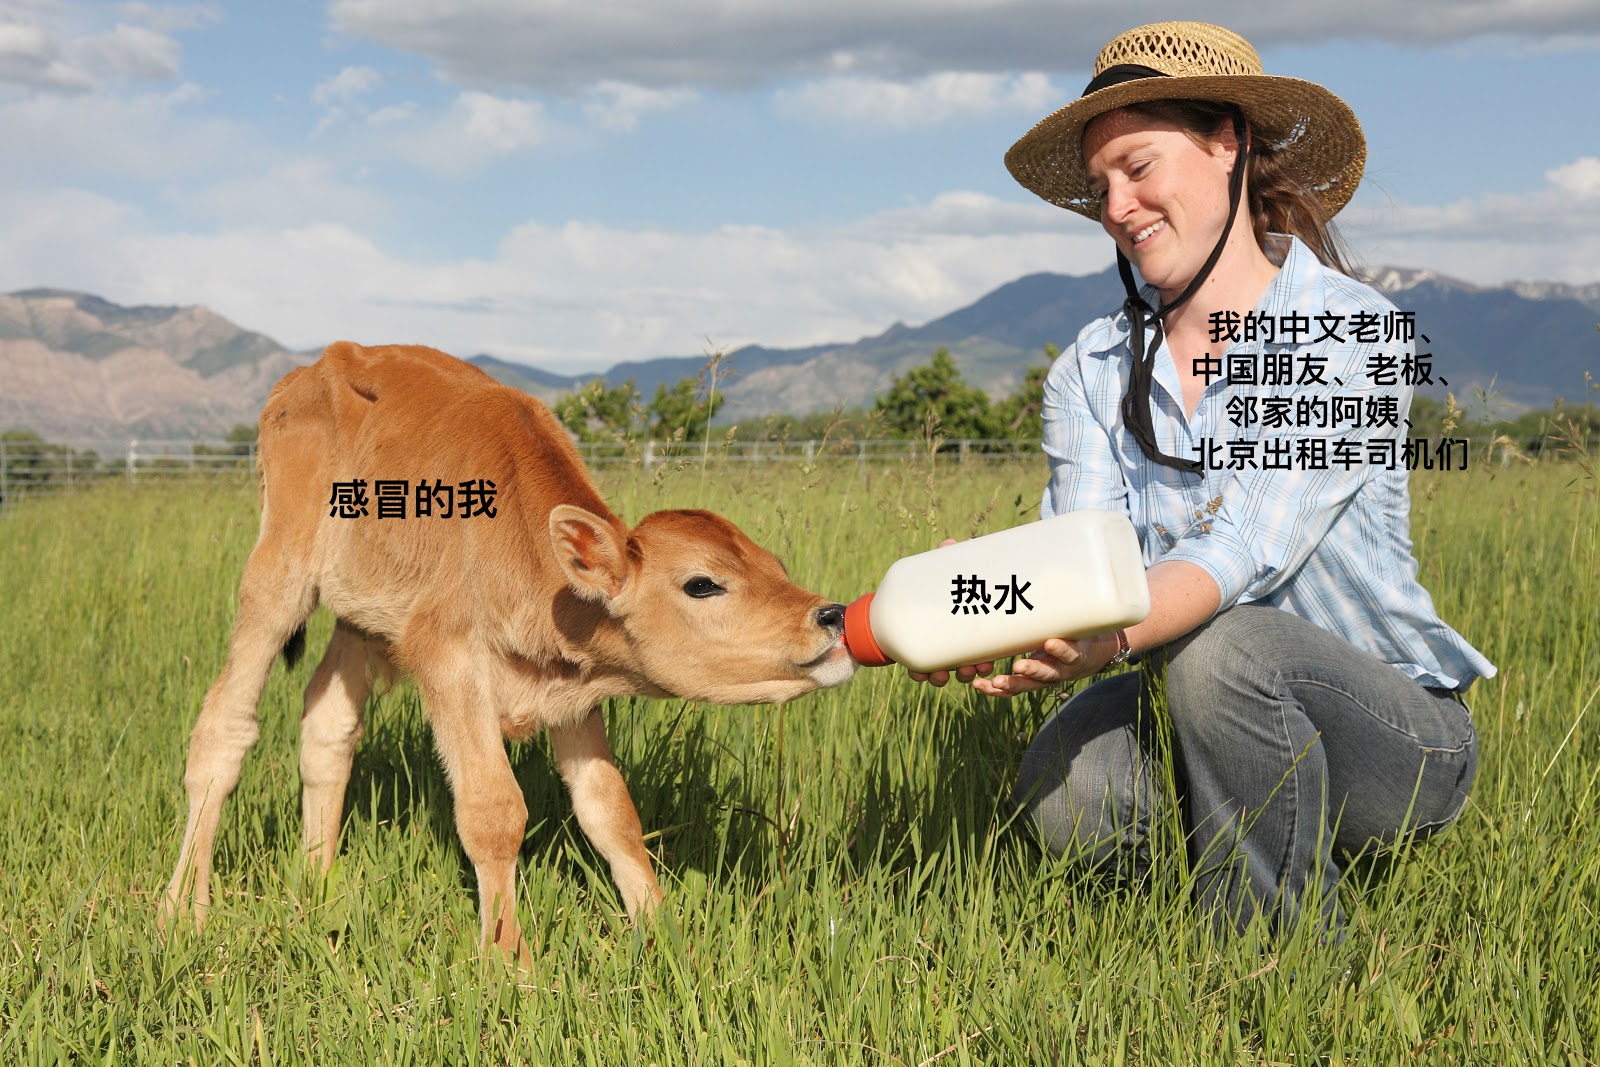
1298,284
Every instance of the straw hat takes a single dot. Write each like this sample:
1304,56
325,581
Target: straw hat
1315,132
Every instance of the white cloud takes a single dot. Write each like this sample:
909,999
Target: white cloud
171,18
569,44
392,113
30,55
496,126
934,98
34,54
476,128
341,96
135,52
618,105
474,131
967,214
349,84
290,192
574,296
1580,178
141,136
585,295
65,237
1548,233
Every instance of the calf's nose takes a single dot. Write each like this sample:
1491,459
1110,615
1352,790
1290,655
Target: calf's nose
831,618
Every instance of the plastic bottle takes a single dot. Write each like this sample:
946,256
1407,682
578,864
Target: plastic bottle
1071,575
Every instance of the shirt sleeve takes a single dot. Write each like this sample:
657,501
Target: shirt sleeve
1083,465
1263,523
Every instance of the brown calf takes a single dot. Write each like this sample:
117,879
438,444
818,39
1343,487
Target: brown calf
513,623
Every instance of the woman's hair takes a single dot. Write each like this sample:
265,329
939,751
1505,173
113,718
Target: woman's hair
1277,203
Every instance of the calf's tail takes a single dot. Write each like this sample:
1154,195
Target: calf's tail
295,647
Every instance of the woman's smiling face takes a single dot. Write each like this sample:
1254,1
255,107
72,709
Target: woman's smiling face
1163,196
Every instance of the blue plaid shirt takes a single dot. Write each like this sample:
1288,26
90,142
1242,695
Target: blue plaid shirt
1305,503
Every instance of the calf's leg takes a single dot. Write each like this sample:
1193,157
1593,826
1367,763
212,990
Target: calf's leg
329,731
605,810
491,815
272,605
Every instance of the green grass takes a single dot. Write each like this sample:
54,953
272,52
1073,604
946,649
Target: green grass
845,883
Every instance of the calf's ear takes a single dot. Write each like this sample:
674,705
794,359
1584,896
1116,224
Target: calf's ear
589,552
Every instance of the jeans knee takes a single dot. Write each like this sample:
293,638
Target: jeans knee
1234,651
1083,786
1060,809
1042,794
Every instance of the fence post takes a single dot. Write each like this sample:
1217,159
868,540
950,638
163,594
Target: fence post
69,467
133,458
649,454
4,486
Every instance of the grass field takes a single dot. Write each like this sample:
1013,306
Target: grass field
845,882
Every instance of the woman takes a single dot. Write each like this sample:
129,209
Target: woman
1314,695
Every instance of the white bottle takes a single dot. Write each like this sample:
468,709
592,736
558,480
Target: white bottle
1072,575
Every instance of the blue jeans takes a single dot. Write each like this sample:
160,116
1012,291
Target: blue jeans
1294,751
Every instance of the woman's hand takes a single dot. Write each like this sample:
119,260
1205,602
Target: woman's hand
1063,659
962,674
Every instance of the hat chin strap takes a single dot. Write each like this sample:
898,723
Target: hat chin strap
1136,401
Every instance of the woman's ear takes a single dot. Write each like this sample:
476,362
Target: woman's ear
1225,143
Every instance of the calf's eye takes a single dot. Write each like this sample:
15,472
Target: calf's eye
701,587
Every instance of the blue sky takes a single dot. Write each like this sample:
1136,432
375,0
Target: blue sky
573,184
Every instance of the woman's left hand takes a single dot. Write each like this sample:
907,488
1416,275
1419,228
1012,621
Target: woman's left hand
961,674
1063,659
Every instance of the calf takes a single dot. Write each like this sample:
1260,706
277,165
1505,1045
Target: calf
518,601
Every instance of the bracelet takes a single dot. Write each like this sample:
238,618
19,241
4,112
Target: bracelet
1124,650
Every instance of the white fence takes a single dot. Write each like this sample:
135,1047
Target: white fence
30,469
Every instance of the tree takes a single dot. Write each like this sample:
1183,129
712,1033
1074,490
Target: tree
596,412
837,424
1021,414
242,436
685,411
962,410
239,440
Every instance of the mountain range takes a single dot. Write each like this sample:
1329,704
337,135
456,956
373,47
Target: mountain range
75,367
